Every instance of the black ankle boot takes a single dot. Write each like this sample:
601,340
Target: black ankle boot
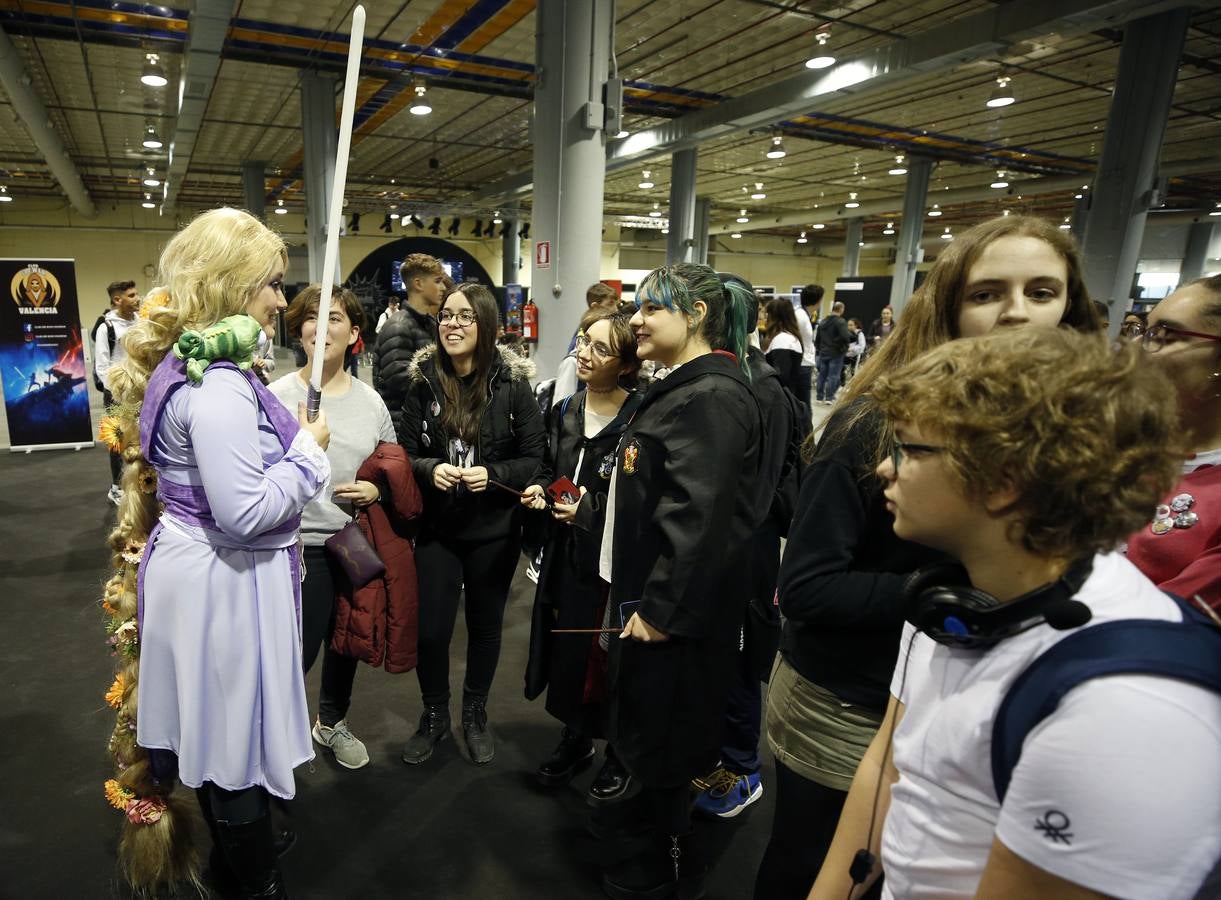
434,728
670,866
574,754
612,782
475,729
250,850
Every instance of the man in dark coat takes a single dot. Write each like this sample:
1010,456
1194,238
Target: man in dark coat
403,335
833,341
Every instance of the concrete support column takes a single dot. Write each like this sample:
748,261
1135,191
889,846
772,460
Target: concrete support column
321,139
1127,172
680,247
1199,238
911,229
1081,213
703,221
254,188
852,247
510,247
572,53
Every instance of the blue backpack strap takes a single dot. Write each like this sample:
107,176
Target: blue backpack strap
1188,651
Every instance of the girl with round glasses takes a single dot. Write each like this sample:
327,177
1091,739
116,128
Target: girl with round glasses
841,580
475,436
1180,548
570,596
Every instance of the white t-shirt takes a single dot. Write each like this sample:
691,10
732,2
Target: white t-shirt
785,341
1118,790
103,359
807,337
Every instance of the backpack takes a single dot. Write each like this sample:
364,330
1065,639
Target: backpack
110,340
1189,651
784,504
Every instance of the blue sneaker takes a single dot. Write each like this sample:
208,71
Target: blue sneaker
725,793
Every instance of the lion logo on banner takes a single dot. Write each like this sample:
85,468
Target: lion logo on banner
35,286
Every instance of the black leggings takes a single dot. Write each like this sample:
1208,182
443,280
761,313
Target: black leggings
234,807
486,569
116,460
807,814
317,627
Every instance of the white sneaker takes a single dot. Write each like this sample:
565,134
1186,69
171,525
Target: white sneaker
115,494
349,751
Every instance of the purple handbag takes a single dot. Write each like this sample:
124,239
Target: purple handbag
352,550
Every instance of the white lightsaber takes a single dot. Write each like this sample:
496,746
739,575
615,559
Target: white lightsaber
313,397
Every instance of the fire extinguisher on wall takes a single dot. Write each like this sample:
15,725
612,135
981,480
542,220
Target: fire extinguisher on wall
529,322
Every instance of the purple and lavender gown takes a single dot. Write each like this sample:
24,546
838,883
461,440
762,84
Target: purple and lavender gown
220,645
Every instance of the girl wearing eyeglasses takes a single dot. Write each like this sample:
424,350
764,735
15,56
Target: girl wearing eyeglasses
571,667
475,436
1180,548
841,580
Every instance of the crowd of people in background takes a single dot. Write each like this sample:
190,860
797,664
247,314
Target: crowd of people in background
993,484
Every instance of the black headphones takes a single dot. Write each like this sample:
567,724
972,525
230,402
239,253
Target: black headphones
948,609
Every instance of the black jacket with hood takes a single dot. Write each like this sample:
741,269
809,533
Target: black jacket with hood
400,339
510,445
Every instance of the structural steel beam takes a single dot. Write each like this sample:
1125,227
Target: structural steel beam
942,47
33,115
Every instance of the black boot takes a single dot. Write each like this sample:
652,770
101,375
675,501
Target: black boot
220,875
250,849
612,782
434,728
574,754
475,729
671,866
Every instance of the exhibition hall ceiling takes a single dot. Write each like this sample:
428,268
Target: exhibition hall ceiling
84,60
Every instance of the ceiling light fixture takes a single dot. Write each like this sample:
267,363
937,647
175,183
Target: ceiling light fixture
4,195
1067,224
151,179
153,75
622,134
1217,211
646,182
1002,94
776,150
801,238
758,194
818,226
736,235
496,219
899,168
151,141
852,202
1001,180
394,214
280,210
935,211
945,235
665,229
420,106
822,58
148,201
742,217
655,212
889,229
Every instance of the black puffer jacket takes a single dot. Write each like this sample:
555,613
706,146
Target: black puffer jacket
511,446
400,340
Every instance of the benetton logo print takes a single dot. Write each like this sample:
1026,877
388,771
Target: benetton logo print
1054,826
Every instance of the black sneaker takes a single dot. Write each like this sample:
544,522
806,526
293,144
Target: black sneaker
479,741
434,728
574,754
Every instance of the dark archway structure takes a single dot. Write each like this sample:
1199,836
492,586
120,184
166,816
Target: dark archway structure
381,266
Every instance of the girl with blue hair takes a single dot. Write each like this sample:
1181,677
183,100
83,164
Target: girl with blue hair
682,504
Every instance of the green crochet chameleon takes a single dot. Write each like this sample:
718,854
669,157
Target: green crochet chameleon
234,338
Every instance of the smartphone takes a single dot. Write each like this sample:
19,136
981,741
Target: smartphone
626,610
563,491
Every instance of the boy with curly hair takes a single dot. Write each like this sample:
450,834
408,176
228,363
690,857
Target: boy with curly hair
1028,457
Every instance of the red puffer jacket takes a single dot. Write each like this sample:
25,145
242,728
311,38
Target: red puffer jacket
379,623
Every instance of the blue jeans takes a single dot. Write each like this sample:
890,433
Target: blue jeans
829,370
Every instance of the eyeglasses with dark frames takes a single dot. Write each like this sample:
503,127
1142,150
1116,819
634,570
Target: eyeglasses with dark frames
1155,338
900,449
463,318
